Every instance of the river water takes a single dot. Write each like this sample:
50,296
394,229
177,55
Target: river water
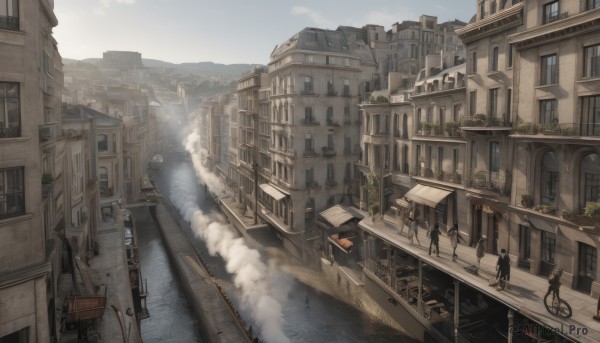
311,312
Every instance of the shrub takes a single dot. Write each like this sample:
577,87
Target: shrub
526,200
592,209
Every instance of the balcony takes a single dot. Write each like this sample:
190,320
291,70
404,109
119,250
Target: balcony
332,122
483,121
554,17
49,132
312,185
310,122
565,129
10,132
331,92
493,181
9,23
328,151
330,183
310,153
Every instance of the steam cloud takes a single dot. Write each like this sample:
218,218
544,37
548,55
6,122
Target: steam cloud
260,285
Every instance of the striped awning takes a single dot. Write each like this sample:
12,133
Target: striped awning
272,192
426,195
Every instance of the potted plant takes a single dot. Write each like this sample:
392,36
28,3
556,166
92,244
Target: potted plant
526,200
426,127
592,209
451,128
435,128
567,214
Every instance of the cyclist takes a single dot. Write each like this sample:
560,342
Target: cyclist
554,281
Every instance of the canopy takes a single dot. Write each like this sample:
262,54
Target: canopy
337,216
271,191
426,195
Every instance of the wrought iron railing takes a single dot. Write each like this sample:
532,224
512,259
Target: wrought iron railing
9,23
10,132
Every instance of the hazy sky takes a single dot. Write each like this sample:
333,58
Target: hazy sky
225,31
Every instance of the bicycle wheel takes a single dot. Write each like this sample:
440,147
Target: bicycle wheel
564,309
549,306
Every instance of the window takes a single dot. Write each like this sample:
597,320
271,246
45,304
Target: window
103,177
347,144
330,141
549,70
473,155
494,157
330,89
440,160
548,111
590,115
10,116
510,55
346,87
474,62
348,172
549,179
586,271
472,102
551,12
456,113
347,62
494,62
524,246
492,7
330,174
548,251
493,103
455,161
12,192
591,4
329,115
308,84
329,60
308,145
591,63
9,14
102,143
508,103
309,177
308,59
589,187
482,10
347,115
308,115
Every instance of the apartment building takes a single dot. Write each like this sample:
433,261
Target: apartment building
411,41
557,141
30,141
487,119
317,78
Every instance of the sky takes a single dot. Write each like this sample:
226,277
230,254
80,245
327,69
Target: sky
222,31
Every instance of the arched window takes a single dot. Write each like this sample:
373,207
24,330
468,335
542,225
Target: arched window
589,184
405,125
549,179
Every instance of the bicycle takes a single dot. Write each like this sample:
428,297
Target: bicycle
558,306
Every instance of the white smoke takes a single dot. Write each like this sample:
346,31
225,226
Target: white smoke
261,286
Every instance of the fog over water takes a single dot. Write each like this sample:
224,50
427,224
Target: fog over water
263,289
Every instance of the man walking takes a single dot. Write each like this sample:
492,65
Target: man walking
435,239
414,231
503,268
454,239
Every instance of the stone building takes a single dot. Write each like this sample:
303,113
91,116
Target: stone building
556,113
317,78
487,120
411,41
122,60
31,83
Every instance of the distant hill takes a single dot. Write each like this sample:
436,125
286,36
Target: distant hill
205,68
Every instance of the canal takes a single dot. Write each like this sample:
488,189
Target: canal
311,311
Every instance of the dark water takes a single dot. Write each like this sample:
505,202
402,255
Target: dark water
324,319
171,319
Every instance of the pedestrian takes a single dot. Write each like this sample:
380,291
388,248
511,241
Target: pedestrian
454,239
435,239
479,250
503,268
414,231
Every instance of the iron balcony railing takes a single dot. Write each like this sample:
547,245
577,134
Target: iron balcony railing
481,120
328,151
9,23
10,132
562,129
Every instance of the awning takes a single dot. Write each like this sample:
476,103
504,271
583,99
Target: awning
337,216
271,191
426,195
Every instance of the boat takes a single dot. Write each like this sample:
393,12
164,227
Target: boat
156,162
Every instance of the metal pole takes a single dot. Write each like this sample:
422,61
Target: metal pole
456,309
511,317
420,297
